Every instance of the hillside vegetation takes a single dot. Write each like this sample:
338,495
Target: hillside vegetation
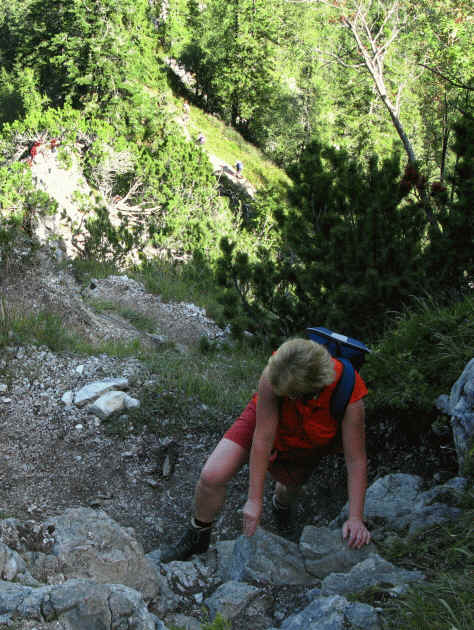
354,123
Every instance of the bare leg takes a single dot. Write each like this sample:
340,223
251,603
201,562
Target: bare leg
223,463
286,495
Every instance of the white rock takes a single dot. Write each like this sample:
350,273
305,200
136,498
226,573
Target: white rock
109,403
3,388
92,391
131,403
67,398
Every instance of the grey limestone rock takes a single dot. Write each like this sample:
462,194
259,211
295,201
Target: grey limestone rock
231,599
89,544
183,621
333,613
461,409
427,517
111,402
325,552
78,605
272,560
450,493
371,572
390,497
399,499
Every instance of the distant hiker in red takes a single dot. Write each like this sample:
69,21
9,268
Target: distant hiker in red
285,430
34,149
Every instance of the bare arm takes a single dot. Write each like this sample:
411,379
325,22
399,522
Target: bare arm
353,440
263,440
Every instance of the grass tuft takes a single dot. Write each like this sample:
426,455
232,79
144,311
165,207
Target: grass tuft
446,555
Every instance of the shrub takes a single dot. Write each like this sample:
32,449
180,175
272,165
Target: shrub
349,250
421,354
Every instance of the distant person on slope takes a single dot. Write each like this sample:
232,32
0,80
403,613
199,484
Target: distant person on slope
201,139
286,428
239,167
186,110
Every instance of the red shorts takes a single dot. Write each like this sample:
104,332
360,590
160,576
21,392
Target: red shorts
291,468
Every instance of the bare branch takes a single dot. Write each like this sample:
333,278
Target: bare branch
454,83
373,48
370,39
134,188
338,59
394,7
383,49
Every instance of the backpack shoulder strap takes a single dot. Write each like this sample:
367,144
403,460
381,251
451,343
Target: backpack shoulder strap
343,391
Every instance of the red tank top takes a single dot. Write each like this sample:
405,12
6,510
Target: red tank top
309,424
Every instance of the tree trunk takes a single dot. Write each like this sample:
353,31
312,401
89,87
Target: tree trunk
399,127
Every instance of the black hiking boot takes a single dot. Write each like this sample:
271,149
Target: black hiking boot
194,541
284,518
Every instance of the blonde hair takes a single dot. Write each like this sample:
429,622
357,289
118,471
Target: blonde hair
299,367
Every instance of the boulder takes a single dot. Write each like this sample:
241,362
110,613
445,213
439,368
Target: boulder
324,551
269,559
90,545
78,605
333,613
90,392
400,501
231,599
13,567
460,406
371,572
112,402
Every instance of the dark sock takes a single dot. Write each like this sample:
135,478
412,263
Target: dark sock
200,524
279,506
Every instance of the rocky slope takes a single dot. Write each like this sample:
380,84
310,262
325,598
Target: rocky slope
85,510
70,490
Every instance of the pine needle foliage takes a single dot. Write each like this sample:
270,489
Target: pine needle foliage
349,250
353,244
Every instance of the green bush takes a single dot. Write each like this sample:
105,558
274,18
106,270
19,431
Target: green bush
354,243
421,354
349,250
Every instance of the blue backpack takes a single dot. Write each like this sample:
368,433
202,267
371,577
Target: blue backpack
351,353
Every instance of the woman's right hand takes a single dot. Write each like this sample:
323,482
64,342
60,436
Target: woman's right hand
252,513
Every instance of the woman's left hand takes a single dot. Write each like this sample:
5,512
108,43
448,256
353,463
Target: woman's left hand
355,530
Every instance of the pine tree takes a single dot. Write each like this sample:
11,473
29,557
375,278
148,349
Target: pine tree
232,55
87,51
350,250
450,253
